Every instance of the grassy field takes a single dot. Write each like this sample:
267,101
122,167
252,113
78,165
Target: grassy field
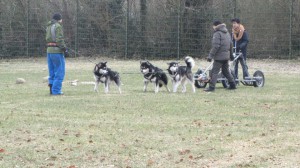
248,127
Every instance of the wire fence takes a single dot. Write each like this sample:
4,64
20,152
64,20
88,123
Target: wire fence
138,29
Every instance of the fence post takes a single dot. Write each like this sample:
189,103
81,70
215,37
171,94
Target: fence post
126,30
76,34
291,27
234,8
27,31
178,30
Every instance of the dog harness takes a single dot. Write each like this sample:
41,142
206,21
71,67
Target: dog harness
150,75
173,74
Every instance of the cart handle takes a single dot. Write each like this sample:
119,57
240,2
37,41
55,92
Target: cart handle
208,67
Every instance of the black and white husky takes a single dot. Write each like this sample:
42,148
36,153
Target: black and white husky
154,75
105,75
182,74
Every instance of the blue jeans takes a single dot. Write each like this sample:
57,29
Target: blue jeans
243,48
244,67
56,67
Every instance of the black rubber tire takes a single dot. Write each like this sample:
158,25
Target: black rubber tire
199,84
259,82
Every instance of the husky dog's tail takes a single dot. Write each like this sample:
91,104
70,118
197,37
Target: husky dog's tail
190,63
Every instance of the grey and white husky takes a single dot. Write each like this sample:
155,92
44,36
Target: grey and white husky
154,75
105,75
182,74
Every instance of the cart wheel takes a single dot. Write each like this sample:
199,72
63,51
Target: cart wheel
198,83
259,79
225,83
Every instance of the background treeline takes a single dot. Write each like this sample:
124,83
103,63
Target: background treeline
149,28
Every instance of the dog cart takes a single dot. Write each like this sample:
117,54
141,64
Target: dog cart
202,76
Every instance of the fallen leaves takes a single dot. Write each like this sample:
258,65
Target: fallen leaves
184,152
150,162
51,158
78,134
66,132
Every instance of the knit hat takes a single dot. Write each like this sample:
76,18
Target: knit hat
216,23
56,16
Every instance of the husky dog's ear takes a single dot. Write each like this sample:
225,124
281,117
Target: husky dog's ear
105,62
98,65
148,63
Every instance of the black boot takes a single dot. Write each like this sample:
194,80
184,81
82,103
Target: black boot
232,86
50,86
209,89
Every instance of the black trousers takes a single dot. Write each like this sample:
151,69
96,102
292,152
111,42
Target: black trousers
224,66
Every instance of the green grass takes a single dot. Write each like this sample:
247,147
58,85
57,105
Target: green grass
248,127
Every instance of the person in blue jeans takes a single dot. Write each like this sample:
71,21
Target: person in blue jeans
56,52
240,40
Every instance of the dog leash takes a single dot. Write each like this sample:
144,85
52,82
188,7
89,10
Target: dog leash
82,56
153,73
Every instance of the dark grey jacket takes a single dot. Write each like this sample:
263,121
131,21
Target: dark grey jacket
221,44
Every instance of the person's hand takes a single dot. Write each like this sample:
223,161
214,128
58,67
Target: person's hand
66,52
208,59
242,46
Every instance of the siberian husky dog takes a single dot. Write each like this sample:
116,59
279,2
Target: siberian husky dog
154,75
182,74
105,75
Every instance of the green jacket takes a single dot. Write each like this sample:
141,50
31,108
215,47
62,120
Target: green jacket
58,37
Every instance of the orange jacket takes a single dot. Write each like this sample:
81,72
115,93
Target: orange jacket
238,32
